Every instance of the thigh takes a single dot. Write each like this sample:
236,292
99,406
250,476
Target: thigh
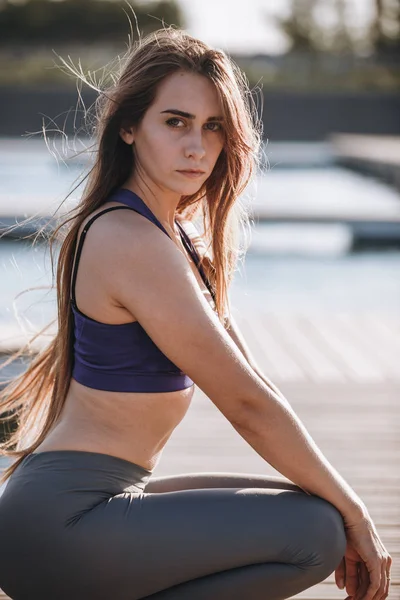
148,542
207,480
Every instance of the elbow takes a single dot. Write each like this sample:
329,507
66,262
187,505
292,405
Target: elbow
249,411
259,412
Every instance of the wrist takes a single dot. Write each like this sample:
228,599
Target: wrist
356,511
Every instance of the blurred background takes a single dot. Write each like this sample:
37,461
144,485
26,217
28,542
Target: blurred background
318,295
326,77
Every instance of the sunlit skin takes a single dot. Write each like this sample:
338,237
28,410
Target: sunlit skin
168,141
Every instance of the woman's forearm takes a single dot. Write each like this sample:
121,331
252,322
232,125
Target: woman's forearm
272,428
276,433
269,384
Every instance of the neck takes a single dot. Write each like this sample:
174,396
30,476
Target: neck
162,203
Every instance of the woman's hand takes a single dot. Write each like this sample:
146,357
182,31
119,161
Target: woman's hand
365,567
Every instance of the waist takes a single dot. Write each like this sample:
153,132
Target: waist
133,426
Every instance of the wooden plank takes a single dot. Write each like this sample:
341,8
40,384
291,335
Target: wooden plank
325,348
331,592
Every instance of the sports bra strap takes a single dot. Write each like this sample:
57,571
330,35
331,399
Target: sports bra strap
80,245
187,242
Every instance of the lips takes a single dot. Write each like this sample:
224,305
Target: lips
194,171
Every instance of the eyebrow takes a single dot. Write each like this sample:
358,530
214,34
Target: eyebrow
181,113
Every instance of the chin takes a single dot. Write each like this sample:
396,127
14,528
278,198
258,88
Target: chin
188,189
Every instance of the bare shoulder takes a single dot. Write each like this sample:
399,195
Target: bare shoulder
124,234
112,221
113,236
114,233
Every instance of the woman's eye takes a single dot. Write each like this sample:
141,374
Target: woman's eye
174,122
179,123
214,126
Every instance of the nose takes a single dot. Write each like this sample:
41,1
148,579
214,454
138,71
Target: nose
194,146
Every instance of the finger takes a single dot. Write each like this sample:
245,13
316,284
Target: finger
364,581
387,588
384,581
340,575
351,577
375,583
388,567
381,591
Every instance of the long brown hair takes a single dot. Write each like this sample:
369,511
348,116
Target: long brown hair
38,395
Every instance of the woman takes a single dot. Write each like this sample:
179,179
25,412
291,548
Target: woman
142,314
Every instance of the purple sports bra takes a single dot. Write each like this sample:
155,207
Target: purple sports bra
123,358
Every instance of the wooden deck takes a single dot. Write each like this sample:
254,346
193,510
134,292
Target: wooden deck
341,374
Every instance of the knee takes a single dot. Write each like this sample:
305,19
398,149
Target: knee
327,537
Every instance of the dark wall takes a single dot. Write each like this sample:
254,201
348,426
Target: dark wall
299,116
287,115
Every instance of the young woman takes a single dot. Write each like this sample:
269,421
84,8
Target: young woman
142,316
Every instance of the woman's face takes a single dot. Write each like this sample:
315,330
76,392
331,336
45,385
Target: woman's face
180,133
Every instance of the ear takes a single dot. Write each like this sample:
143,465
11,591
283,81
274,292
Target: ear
127,135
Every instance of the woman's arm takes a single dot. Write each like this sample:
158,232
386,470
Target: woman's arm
277,434
258,430
146,273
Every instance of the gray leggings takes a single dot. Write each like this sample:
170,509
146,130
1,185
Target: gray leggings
91,526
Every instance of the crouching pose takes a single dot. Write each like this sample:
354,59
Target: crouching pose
143,317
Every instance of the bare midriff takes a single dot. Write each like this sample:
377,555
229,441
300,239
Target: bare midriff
134,426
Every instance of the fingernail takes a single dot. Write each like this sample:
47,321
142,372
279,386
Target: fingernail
341,583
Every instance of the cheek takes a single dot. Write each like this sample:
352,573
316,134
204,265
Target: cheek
165,144
154,149
216,149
